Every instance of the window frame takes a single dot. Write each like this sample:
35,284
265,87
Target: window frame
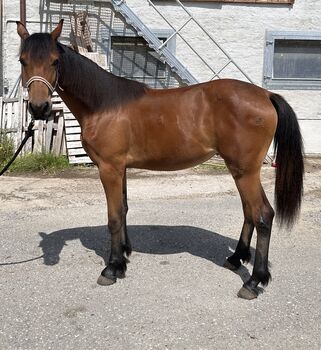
269,81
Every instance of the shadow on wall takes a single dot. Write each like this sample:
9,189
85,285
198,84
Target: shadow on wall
162,240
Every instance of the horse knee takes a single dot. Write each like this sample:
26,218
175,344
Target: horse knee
114,225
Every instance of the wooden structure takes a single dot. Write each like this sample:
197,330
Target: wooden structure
48,136
76,153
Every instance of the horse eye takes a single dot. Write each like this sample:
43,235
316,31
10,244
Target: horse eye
55,63
23,62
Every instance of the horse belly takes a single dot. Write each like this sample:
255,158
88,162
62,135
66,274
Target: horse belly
171,154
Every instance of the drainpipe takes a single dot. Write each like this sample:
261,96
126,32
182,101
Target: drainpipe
23,12
23,20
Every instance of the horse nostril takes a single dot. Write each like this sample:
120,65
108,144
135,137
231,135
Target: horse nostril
46,108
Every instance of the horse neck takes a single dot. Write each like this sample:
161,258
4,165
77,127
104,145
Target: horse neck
77,77
76,106
88,89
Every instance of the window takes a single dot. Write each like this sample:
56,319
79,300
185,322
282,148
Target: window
131,57
292,60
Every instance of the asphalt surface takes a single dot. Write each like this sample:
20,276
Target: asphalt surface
176,294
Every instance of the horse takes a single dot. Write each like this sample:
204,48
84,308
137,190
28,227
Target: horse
125,124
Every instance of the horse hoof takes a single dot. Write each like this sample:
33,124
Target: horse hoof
104,281
247,294
230,266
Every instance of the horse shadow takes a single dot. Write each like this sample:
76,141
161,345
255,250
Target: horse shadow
155,239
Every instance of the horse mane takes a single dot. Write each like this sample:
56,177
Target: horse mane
94,86
39,44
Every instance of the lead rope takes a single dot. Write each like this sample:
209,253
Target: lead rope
29,133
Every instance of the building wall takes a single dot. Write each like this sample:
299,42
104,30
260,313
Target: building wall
239,28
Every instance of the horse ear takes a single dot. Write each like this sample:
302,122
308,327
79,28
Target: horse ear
22,31
55,34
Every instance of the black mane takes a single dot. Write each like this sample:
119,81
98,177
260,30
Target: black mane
38,44
95,87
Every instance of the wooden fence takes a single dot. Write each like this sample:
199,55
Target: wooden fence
10,125
48,137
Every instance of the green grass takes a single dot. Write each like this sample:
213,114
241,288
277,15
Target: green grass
46,163
6,148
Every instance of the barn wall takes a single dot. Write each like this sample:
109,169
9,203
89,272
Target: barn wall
240,29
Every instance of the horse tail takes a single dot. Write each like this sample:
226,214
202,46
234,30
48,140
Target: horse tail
288,147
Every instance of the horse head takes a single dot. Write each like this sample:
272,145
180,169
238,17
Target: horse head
39,57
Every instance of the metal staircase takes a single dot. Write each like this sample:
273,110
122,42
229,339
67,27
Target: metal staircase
160,47
153,41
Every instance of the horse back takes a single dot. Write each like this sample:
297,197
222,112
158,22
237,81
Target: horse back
178,128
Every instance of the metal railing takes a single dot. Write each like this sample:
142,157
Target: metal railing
153,41
161,49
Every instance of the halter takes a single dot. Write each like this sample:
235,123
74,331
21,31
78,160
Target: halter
45,81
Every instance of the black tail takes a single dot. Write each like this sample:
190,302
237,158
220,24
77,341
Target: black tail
288,146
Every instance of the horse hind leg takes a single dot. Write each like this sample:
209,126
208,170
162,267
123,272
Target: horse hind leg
259,214
242,252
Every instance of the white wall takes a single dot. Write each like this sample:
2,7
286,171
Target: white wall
239,29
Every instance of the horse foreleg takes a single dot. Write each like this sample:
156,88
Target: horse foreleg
112,179
127,245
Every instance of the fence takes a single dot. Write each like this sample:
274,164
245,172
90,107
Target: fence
48,136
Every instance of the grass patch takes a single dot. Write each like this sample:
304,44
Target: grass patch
6,148
215,167
46,163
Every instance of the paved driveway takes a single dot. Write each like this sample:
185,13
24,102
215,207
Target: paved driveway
176,294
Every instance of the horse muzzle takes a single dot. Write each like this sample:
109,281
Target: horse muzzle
40,111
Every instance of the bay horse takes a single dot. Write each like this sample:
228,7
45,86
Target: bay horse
125,124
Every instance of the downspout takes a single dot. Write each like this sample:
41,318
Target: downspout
23,20
23,12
